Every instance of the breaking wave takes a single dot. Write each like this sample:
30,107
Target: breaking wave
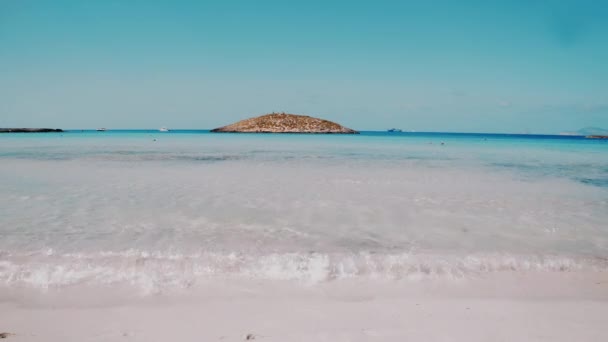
151,273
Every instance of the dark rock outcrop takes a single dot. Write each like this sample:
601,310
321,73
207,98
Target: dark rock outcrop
30,130
285,123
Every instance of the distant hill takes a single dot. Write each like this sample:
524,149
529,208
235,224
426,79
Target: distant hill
587,131
284,123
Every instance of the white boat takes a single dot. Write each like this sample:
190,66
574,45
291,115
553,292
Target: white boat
164,129
101,130
394,130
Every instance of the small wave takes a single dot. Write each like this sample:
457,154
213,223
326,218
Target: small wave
159,272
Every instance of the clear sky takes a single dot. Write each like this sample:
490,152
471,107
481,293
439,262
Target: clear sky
484,66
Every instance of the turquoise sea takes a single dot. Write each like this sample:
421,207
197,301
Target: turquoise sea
159,211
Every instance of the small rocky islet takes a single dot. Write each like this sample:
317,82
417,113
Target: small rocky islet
285,123
30,130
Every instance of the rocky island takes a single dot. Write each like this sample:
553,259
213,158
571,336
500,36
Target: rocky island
30,130
285,123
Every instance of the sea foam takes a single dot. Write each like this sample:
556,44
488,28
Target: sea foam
156,272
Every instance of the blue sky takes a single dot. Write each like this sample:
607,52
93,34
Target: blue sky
484,66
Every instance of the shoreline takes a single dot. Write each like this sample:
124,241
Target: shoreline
516,306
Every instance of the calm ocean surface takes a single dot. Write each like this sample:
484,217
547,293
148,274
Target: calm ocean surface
159,211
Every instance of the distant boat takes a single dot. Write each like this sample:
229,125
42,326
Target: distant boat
163,129
394,130
101,130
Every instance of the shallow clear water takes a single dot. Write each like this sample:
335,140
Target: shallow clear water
158,211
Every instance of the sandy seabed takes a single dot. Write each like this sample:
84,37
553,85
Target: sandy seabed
509,306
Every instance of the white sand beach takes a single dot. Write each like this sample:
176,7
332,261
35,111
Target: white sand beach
303,171
553,307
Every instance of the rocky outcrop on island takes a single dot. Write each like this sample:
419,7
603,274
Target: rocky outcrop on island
30,130
597,137
285,123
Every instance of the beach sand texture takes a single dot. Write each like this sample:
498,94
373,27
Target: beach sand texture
553,307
